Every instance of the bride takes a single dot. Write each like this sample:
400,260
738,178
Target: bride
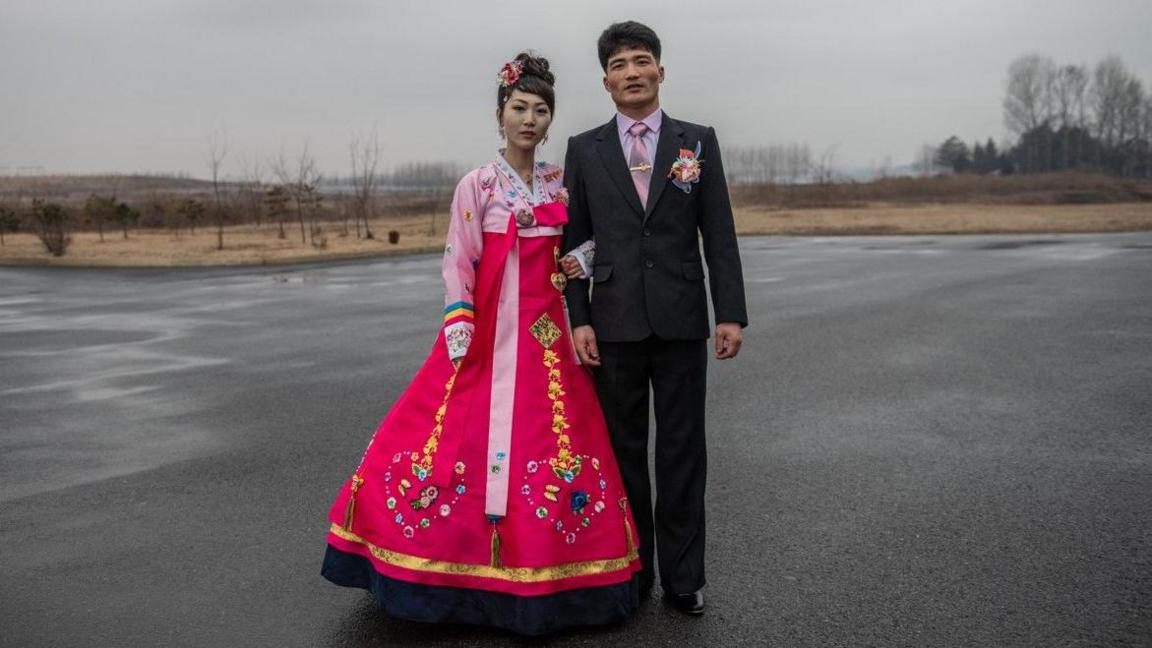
489,494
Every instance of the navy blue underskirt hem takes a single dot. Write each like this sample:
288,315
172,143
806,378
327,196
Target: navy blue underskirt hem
528,615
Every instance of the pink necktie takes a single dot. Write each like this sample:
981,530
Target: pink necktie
639,163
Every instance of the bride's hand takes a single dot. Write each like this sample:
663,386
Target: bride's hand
571,267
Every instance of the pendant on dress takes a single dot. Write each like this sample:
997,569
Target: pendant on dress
559,281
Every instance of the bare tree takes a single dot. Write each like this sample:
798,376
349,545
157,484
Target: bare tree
1128,114
156,211
126,216
365,150
98,209
9,221
51,226
217,151
1069,99
301,182
1028,102
824,169
755,164
1146,121
276,198
252,189
798,162
191,209
1109,81
1069,92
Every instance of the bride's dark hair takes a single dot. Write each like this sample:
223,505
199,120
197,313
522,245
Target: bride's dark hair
535,78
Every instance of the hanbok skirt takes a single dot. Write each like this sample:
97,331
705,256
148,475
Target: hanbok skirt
489,495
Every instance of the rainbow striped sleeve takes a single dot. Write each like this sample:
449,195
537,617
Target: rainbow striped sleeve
458,312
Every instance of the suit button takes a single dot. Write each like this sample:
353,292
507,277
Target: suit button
649,264
647,232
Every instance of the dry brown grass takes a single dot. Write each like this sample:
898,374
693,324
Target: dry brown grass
243,245
1043,189
946,219
248,245
1062,202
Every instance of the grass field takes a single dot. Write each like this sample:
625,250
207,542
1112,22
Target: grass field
250,245
950,204
946,219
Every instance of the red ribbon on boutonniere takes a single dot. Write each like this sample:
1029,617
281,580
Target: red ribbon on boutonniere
686,169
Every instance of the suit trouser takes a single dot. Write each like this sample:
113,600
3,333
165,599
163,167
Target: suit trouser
676,370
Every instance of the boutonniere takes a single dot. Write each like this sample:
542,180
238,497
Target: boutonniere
562,196
686,169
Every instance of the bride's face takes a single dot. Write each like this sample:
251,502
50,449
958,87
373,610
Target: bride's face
524,119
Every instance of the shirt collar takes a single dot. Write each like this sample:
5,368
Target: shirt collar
653,122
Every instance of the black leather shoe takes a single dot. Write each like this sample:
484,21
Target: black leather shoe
687,603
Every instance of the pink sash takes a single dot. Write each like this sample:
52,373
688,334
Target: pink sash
479,358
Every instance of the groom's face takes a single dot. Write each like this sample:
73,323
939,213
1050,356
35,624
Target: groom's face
633,78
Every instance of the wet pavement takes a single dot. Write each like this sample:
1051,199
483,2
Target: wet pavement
927,441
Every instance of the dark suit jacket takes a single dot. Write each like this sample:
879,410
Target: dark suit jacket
647,276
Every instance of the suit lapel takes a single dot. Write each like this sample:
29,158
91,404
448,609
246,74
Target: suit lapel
608,146
667,147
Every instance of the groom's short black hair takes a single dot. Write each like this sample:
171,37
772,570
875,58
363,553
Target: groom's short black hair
627,35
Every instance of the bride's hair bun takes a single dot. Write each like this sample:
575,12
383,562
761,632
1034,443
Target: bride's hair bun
536,66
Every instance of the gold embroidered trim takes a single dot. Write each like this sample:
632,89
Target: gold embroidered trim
545,331
565,465
511,574
422,466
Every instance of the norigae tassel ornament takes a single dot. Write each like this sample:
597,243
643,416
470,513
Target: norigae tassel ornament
350,510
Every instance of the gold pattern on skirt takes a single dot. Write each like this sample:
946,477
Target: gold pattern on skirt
545,331
512,574
559,281
422,466
566,464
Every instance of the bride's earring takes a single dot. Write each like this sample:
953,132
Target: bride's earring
544,140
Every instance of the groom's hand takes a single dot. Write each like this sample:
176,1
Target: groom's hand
729,337
585,340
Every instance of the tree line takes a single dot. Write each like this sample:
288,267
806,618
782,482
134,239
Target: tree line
1064,117
287,193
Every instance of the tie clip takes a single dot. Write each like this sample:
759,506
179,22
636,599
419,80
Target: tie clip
642,168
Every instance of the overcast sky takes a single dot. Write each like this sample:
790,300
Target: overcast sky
138,85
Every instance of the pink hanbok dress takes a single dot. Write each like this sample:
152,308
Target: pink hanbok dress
489,494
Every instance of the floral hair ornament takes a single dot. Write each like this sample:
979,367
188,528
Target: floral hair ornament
686,169
510,73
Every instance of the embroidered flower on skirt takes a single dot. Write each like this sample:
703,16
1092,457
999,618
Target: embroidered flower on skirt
579,501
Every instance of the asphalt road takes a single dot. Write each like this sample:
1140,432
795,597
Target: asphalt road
928,441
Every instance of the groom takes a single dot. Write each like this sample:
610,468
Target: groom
650,189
